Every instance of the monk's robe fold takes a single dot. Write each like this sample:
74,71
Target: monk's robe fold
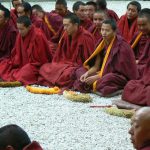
86,23
138,91
33,146
13,17
70,54
126,31
112,15
119,68
96,32
8,35
27,56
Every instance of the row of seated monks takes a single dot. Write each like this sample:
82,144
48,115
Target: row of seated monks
87,50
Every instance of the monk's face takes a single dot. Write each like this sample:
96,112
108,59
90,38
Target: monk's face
144,25
90,10
20,11
69,27
23,30
139,131
81,12
132,12
3,20
107,32
98,19
60,9
16,3
38,14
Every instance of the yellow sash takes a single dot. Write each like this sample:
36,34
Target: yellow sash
49,25
104,62
136,40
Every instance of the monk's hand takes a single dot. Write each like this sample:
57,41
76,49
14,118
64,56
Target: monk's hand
83,77
90,80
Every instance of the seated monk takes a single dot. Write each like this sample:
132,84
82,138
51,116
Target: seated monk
13,137
102,5
140,129
51,21
80,10
110,67
127,23
8,33
95,29
31,50
75,46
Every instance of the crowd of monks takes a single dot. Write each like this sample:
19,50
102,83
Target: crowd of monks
88,49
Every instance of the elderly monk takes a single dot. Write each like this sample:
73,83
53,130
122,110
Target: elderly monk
110,67
95,29
140,129
80,10
13,137
102,5
30,52
51,21
75,46
8,33
127,24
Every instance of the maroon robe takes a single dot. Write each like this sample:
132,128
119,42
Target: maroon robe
13,17
86,23
8,35
119,69
69,55
112,15
33,146
27,56
126,31
96,32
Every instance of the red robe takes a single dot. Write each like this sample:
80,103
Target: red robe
13,17
112,15
86,24
27,56
33,146
69,55
117,72
126,31
8,35
96,32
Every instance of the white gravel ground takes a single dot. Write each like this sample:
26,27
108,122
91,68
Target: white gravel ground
59,124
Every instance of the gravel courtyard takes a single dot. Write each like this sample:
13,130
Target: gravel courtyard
59,124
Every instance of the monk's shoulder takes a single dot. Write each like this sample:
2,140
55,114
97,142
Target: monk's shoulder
86,34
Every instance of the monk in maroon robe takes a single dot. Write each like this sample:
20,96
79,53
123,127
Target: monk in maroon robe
75,46
110,67
14,137
102,5
95,29
30,52
8,33
127,24
136,92
80,10
140,129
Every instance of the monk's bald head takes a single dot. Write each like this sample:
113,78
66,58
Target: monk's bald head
140,128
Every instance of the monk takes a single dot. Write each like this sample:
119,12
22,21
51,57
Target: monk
75,46
13,137
102,5
8,33
95,29
110,67
127,24
80,11
91,8
51,21
140,129
31,50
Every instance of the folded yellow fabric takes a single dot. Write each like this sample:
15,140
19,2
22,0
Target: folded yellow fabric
10,84
38,90
119,112
73,96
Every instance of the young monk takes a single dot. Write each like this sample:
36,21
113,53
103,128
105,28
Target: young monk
140,129
75,46
127,24
13,137
95,29
79,9
8,33
102,5
110,67
29,53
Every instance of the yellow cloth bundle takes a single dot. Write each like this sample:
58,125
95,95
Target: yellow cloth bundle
10,84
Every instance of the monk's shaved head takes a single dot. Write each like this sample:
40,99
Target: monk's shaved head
144,13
